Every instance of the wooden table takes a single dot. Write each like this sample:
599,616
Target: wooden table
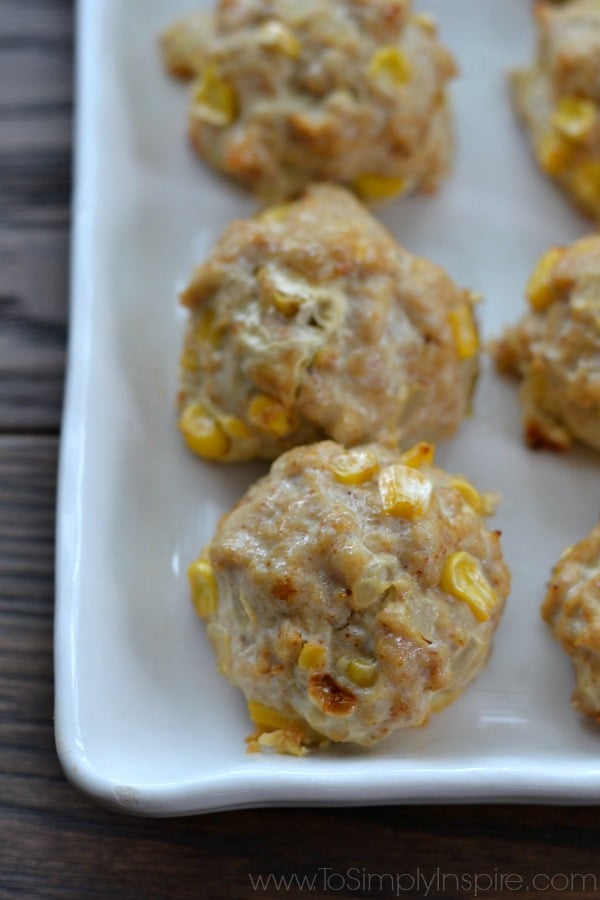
54,842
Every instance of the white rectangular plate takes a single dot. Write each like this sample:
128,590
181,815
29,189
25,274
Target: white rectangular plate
143,722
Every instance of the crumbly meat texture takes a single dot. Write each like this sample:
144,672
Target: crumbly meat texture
572,609
286,93
343,589
558,99
310,321
555,349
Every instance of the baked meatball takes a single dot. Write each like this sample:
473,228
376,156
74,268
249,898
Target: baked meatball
558,99
351,593
555,348
309,321
292,91
572,609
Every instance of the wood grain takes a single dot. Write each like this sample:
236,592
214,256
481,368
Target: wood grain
35,164
54,842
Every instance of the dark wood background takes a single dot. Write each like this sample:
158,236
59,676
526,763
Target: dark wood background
55,842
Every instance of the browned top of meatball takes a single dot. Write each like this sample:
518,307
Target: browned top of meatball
311,321
293,92
352,592
555,348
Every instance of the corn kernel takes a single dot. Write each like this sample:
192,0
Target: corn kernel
585,184
203,585
205,328
469,493
554,153
281,293
275,35
355,466
405,492
214,100
463,578
422,454
233,426
287,304
265,717
189,361
425,21
483,504
362,671
464,330
312,656
391,64
574,117
378,187
442,699
202,433
540,290
276,214
270,415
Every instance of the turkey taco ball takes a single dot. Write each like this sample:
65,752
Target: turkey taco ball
555,348
572,609
285,93
558,99
310,321
351,593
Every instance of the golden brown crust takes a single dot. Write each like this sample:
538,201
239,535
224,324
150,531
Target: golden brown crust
572,609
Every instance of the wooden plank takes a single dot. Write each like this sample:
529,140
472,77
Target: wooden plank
35,182
36,21
33,313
